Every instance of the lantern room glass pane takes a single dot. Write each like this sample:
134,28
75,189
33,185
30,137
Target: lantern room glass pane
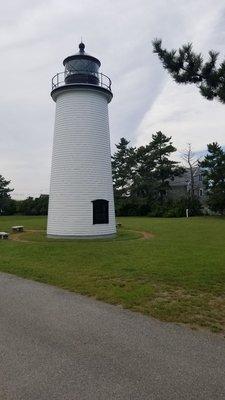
81,65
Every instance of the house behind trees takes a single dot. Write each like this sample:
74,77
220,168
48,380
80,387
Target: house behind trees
181,185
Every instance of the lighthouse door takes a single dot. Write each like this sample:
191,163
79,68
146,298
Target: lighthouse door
100,211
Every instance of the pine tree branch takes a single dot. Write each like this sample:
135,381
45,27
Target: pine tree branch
185,66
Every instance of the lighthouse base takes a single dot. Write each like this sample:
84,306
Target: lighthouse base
108,236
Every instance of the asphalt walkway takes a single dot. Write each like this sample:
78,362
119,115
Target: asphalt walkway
56,345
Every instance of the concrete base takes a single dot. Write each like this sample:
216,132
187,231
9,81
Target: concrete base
111,236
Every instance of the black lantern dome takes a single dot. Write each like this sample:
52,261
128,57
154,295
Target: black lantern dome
81,67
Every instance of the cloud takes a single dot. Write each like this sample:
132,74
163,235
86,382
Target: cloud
179,110
182,113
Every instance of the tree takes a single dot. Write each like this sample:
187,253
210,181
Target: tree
214,177
156,169
123,163
27,207
142,176
41,204
185,66
37,206
192,163
165,169
144,183
4,194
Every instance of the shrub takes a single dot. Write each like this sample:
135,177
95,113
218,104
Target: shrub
178,209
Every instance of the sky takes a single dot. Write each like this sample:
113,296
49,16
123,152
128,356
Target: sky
35,37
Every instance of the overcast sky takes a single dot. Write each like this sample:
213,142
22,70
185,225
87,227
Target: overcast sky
35,37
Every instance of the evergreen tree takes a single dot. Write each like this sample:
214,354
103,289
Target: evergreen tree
123,164
155,169
185,66
165,169
144,181
142,176
214,177
4,194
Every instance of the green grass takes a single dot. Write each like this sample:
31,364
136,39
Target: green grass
177,275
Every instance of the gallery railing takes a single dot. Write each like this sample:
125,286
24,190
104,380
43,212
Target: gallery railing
81,77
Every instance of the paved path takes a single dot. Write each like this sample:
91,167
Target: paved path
56,345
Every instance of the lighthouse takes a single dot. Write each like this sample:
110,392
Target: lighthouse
81,203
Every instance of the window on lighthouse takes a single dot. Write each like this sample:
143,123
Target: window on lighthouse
100,211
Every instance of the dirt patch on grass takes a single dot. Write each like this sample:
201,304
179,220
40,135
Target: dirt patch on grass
18,237
147,235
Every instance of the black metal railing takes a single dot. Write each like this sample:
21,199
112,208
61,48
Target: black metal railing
81,77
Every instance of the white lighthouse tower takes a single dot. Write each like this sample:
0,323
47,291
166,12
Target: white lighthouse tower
81,203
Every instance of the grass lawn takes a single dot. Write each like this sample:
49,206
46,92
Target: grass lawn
176,275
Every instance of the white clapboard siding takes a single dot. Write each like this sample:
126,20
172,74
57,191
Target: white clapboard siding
81,165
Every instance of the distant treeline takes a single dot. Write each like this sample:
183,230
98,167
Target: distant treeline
29,206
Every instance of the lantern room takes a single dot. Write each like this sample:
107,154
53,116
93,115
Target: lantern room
81,68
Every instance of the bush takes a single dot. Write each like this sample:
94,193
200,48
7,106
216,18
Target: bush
178,209
128,207
170,209
158,210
